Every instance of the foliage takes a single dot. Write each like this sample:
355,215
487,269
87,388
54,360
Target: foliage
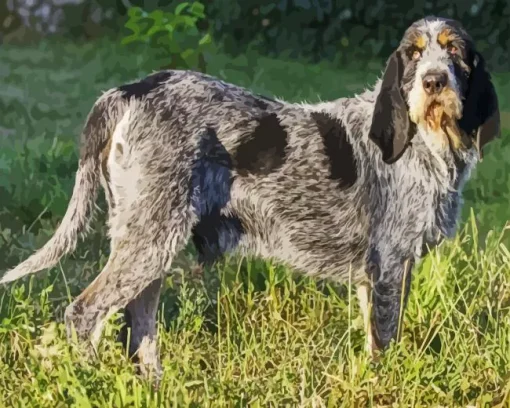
249,333
340,31
176,32
350,29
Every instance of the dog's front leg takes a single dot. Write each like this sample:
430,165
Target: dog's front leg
391,281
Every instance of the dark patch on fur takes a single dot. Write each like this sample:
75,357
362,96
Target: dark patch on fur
143,87
216,234
263,151
211,177
338,150
214,151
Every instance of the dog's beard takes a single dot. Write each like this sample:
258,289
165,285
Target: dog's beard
441,113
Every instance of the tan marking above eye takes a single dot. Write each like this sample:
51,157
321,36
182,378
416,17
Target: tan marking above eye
421,42
446,36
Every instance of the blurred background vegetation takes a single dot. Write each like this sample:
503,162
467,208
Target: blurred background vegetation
311,29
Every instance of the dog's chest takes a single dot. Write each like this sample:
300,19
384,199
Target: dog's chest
417,202
445,208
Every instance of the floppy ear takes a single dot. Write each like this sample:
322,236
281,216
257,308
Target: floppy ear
481,110
391,127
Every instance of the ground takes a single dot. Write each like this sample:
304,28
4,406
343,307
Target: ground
249,333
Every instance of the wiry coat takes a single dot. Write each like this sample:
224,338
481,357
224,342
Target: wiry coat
351,186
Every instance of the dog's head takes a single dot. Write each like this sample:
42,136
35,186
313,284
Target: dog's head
435,82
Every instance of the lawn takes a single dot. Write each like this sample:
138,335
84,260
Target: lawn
249,333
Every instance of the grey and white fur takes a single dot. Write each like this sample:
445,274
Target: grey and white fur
357,186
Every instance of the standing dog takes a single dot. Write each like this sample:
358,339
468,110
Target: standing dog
356,186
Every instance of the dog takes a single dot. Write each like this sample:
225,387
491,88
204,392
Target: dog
356,188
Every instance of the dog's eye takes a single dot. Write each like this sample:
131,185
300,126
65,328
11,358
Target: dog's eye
452,49
416,55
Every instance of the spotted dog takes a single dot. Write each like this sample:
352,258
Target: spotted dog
356,187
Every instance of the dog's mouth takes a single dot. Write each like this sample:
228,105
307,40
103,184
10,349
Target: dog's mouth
442,113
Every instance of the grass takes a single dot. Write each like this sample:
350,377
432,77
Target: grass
249,333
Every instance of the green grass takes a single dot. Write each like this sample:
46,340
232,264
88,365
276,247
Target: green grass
250,333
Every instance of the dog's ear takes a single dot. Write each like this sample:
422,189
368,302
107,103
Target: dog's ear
481,110
391,127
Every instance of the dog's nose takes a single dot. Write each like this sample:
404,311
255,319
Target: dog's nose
434,82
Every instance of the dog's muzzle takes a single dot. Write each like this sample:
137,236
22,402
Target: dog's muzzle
442,108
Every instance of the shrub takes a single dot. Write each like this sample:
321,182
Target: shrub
318,29
327,29
175,32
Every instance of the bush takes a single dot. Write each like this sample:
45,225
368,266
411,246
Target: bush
350,28
175,32
316,29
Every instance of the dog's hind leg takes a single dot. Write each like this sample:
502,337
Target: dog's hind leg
141,318
151,232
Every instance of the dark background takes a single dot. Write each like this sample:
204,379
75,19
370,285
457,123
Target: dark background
312,29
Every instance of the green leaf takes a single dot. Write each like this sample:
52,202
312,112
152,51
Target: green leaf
180,8
169,29
154,30
206,39
189,21
197,9
157,16
129,39
187,53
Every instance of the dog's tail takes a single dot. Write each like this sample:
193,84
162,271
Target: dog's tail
94,138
